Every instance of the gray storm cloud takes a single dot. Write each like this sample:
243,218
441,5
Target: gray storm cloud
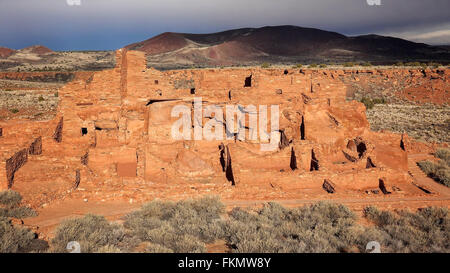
106,24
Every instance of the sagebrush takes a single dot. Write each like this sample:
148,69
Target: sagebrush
183,226
188,226
16,238
439,171
94,234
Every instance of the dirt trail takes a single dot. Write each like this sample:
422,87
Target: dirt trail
52,215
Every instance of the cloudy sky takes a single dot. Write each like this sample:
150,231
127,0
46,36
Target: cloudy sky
111,24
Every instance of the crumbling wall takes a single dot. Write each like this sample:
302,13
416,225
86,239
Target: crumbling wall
57,135
36,147
123,72
14,163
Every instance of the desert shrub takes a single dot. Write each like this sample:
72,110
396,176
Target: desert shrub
322,65
265,65
312,65
10,198
10,206
322,227
368,103
427,167
156,248
328,227
184,226
13,238
443,154
379,101
442,174
14,111
399,64
298,66
366,64
19,213
349,64
93,233
425,231
435,65
109,249
439,171
412,64
41,98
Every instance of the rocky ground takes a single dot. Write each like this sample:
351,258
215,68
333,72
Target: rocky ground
58,61
414,101
430,123
28,100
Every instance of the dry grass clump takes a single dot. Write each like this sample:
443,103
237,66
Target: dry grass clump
184,226
439,171
427,230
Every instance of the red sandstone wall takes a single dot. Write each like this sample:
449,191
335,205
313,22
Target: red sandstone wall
129,138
